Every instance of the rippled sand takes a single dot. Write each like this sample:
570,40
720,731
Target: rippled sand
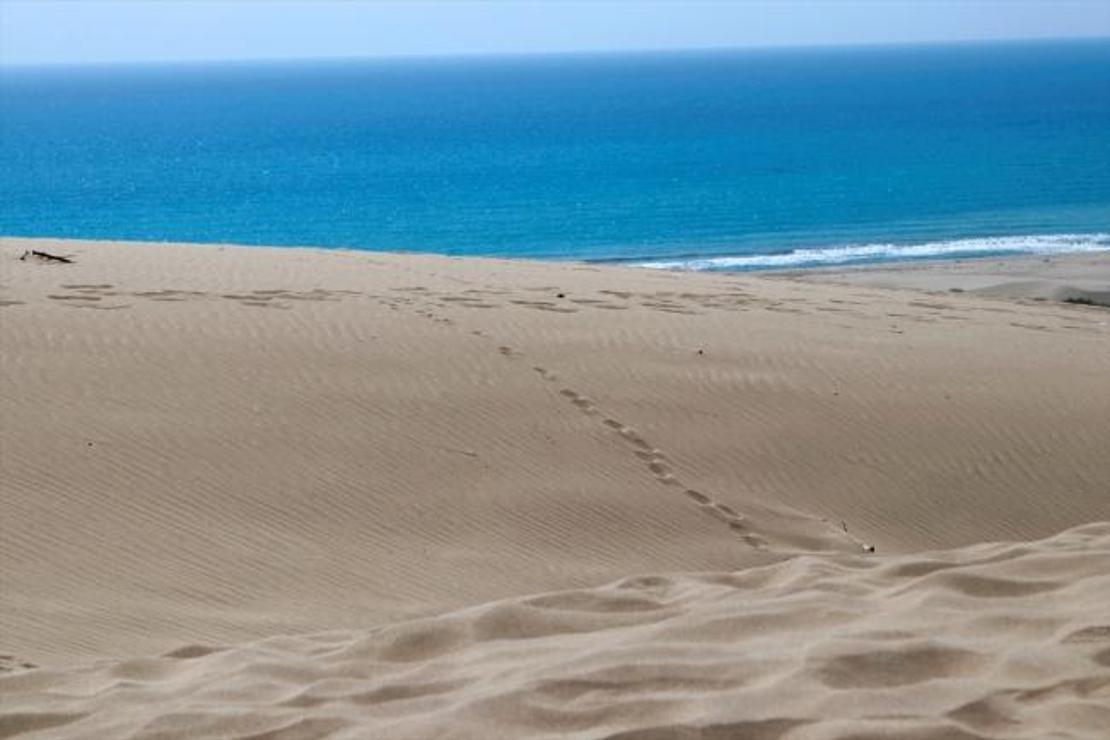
326,487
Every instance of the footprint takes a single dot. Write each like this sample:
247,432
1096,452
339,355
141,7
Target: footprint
74,297
701,498
10,663
309,295
634,437
727,510
755,541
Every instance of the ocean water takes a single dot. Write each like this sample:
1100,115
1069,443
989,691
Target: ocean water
713,160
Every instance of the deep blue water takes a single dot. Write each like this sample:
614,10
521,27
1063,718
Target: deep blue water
699,159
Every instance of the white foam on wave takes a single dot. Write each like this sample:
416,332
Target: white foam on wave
853,253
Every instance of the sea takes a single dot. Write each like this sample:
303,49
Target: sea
710,160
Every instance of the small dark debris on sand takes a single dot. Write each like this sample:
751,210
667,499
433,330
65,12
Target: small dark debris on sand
44,256
1086,301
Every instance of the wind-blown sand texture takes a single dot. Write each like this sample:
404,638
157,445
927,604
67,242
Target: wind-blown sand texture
323,485
990,641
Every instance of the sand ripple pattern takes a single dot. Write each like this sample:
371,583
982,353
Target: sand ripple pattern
989,641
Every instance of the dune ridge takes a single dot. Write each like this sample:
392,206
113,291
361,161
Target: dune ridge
1004,640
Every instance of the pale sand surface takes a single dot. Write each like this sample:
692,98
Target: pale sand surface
1070,277
990,641
326,487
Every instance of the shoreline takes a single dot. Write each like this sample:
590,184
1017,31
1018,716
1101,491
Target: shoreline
1061,274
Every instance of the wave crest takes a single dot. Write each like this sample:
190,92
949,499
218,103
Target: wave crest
882,252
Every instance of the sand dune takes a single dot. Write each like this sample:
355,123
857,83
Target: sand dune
990,641
206,445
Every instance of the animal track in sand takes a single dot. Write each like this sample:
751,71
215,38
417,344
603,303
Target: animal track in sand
278,298
558,301
654,459
545,373
73,297
701,498
545,306
169,295
656,465
578,400
9,663
87,295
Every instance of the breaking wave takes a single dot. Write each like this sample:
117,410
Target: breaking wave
866,253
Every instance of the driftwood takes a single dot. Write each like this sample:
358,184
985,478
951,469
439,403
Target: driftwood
45,256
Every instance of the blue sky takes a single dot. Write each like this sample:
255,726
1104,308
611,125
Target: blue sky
76,31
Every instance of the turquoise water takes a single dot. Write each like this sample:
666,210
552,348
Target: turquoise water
723,160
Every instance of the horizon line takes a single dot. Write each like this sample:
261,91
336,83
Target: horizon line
477,55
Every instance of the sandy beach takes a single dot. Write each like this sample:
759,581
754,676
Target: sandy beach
299,493
1080,279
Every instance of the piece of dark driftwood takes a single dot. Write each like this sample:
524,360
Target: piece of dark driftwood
45,256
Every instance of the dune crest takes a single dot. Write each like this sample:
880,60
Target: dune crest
989,641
